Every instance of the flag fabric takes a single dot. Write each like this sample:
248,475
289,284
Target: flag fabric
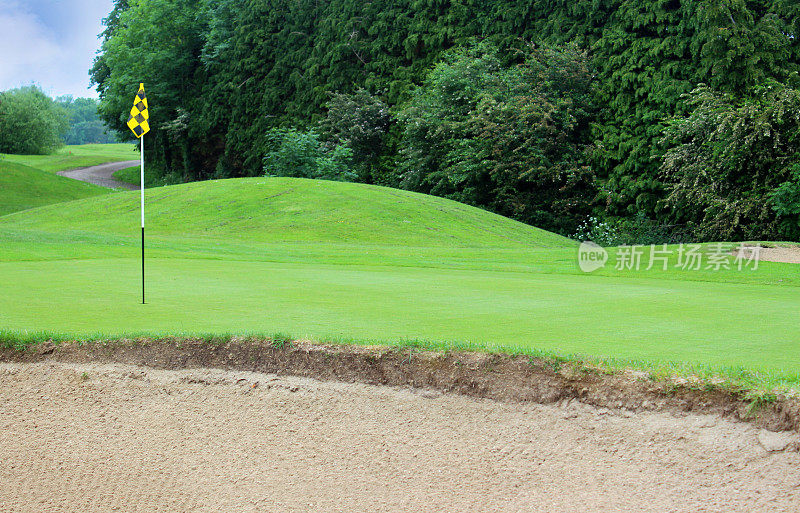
138,122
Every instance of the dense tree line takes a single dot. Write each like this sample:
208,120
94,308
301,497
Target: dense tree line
550,111
32,123
85,125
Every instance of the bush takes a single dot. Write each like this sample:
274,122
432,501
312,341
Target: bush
361,122
302,155
786,204
30,122
514,140
730,161
638,230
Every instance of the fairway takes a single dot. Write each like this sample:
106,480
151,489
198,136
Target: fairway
350,262
74,156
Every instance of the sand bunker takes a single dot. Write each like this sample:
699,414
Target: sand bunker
111,437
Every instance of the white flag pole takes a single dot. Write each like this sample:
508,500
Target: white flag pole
141,140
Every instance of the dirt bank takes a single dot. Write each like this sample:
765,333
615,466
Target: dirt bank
499,377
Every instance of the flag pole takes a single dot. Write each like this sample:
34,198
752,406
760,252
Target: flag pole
141,140
139,126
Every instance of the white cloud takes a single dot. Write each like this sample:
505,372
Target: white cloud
55,54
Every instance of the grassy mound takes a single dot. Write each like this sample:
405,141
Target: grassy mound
23,187
294,210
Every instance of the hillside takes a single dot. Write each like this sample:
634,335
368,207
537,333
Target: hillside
293,210
23,187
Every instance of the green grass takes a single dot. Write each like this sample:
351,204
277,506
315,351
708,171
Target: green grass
338,261
23,187
72,157
129,175
132,175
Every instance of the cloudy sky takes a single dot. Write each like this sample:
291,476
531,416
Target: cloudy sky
51,43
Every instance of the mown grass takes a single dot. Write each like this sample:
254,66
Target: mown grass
336,261
23,187
75,156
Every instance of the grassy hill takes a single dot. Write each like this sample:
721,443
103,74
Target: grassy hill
330,260
23,187
297,210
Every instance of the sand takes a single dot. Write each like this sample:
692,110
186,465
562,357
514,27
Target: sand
114,437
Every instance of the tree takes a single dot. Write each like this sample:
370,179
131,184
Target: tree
731,164
85,125
157,42
361,122
511,139
31,123
303,155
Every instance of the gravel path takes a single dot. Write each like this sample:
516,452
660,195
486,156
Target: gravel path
102,175
102,437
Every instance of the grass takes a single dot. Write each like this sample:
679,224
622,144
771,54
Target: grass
23,187
338,261
129,175
75,156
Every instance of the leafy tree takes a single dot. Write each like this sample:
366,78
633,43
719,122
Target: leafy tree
303,155
361,122
732,164
514,140
157,42
31,123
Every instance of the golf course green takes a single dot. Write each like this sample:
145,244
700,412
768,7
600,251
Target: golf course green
366,264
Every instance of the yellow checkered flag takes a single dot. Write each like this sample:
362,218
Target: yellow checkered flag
139,125
138,122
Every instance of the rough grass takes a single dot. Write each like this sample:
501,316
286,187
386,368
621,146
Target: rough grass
75,156
326,260
23,187
129,175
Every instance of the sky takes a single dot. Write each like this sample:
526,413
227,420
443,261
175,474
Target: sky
51,43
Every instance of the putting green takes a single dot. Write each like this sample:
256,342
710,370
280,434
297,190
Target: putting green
335,260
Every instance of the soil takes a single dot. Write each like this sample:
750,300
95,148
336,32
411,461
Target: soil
189,425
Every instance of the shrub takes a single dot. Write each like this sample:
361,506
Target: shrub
730,161
31,123
301,154
786,204
361,122
638,230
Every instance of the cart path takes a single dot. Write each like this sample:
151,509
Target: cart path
108,437
102,175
